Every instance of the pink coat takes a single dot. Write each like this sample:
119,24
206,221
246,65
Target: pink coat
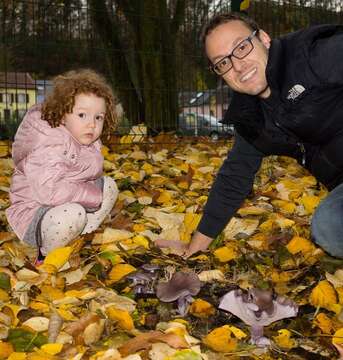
51,168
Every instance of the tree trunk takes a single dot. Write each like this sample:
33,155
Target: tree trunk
150,68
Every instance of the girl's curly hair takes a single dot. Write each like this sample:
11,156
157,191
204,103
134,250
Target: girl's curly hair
66,86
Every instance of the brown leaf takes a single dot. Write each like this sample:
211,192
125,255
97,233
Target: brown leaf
186,178
144,341
118,207
121,222
77,327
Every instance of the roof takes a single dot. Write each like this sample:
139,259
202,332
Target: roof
16,80
200,98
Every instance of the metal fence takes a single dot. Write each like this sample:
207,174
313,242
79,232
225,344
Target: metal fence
148,49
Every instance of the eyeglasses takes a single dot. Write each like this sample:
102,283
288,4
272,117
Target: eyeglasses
243,49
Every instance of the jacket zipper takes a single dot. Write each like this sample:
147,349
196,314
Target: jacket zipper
299,143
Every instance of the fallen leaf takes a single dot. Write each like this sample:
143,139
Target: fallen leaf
323,295
119,271
221,340
58,257
145,340
201,308
284,339
122,317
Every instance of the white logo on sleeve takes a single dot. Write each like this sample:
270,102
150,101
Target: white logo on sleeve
295,91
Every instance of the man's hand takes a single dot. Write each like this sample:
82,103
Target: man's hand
199,242
176,247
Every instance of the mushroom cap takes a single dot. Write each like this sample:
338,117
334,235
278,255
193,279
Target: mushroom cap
180,285
235,304
150,267
139,276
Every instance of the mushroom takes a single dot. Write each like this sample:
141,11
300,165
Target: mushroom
143,280
180,287
258,308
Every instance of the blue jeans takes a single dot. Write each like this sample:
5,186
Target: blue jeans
327,223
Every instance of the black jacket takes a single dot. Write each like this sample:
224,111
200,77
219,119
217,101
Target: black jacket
303,118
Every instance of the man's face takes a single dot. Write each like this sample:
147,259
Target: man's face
248,75
86,121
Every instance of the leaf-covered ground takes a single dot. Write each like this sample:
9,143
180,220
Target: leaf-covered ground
82,304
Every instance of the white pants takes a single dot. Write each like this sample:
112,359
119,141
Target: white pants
62,224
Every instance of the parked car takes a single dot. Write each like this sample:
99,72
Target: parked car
193,124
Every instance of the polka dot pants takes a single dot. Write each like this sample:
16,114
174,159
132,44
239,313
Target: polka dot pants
62,224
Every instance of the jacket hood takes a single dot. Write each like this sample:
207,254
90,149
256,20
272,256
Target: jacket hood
34,132
31,133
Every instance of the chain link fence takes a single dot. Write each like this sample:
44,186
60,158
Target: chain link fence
149,50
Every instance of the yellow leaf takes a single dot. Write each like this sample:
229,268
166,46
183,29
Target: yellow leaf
221,340
165,197
140,240
238,333
191,221
17,356
121,316
252,210
338,337
323,295
340,294
283,222
310,202
40,306
119,271
148,168
138,228
52,349
299,244
47,268
3,295
50,293
66,314
236,225
183,185
4,149
58,257
284,206
324,323
112,235
281,276
284,340
225,253
6,349
267,226
201,308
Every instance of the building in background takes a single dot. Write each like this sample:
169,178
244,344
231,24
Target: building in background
17,94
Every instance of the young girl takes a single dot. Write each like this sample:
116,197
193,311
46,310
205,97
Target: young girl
57,190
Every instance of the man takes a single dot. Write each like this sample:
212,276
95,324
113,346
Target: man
288,100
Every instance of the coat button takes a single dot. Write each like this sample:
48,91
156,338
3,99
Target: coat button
73,156
65,152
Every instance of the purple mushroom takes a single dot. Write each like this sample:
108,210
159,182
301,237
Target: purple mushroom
143,280
258,308
181,287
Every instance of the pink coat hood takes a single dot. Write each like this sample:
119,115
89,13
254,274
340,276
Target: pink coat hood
51,168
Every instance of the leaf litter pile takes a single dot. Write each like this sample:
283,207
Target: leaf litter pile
113,295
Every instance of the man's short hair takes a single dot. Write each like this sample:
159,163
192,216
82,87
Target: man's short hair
224,18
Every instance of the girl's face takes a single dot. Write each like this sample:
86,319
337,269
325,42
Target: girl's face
86,121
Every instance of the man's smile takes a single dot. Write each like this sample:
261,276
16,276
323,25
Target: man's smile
248,75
